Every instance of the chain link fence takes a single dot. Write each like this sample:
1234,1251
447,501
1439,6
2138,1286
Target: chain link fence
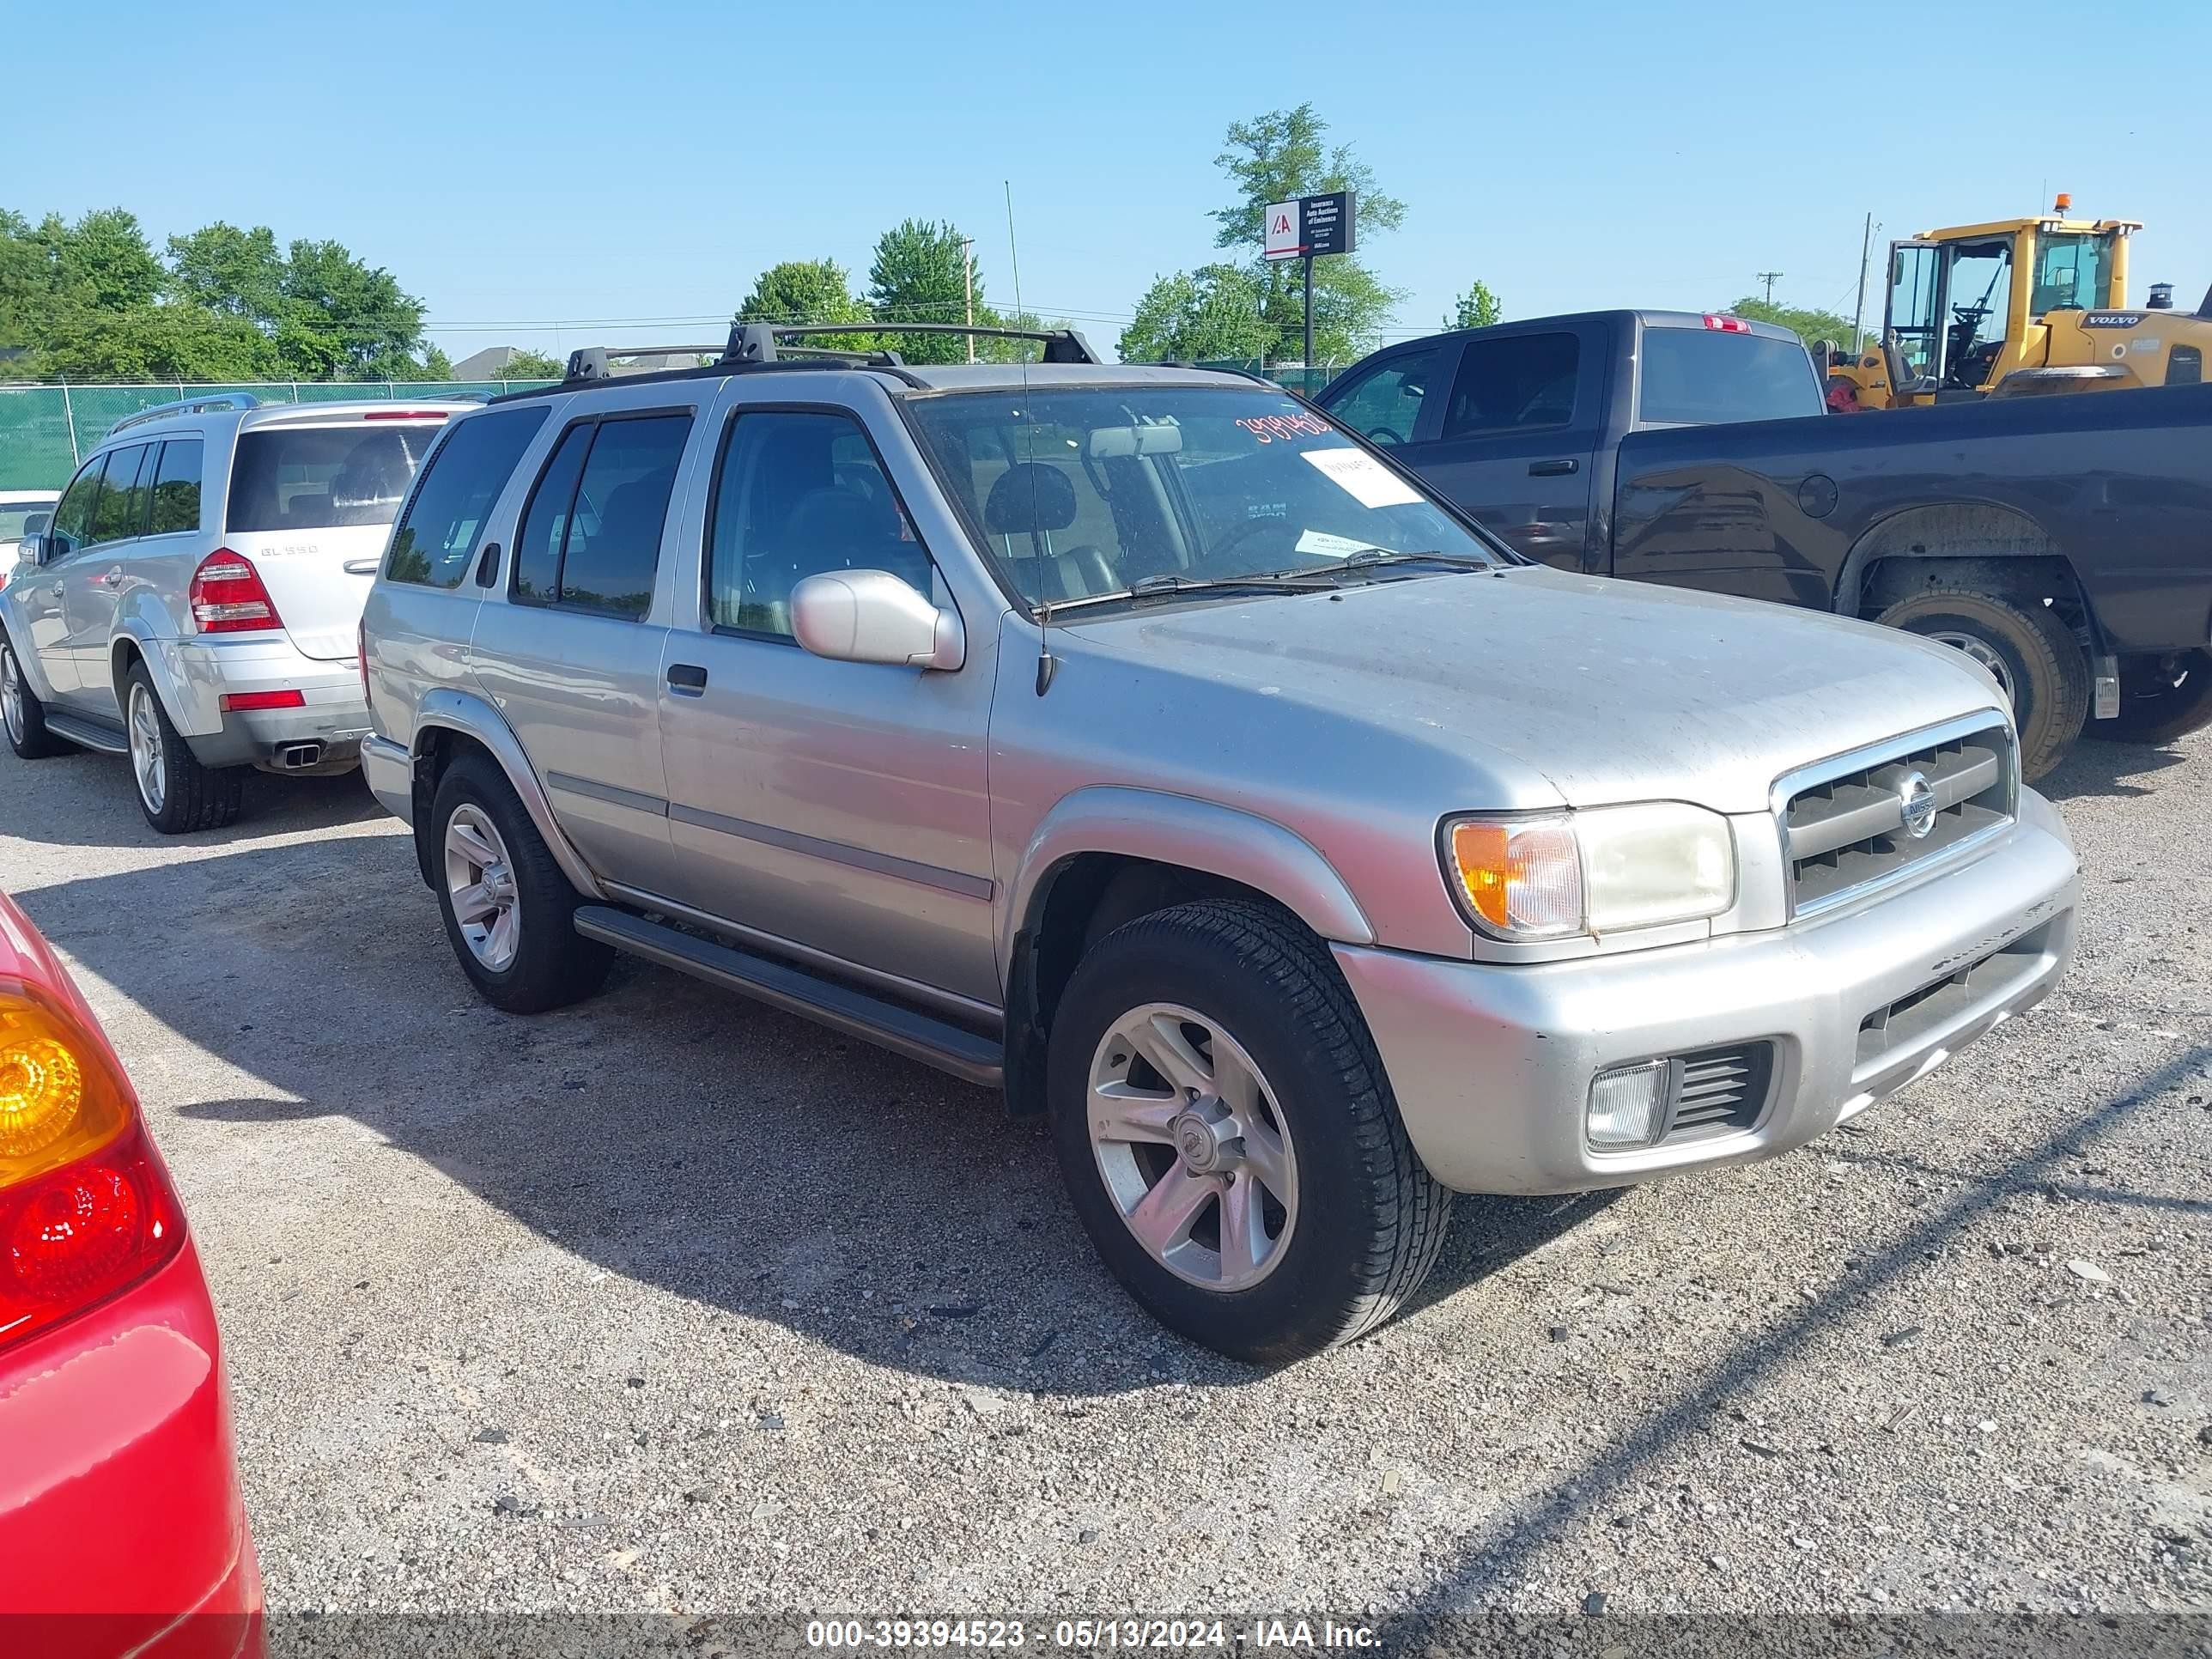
45,430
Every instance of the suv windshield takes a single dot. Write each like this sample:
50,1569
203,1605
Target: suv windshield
319,478
1081,492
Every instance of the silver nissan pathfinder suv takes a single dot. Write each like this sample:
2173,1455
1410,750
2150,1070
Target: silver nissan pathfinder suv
1139,742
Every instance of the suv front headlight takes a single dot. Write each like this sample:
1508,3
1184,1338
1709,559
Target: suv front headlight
1603,871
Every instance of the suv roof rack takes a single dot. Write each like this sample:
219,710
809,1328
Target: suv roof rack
188,406
757,343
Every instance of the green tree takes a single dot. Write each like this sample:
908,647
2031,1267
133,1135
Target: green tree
1196,316
523,364
1476,308
919,275
809,291
1807,322
1273,158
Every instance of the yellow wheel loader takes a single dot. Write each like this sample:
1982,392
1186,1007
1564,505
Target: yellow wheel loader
2019,308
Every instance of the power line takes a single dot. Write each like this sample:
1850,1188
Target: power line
1770,277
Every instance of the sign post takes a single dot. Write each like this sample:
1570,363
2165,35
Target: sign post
1307,229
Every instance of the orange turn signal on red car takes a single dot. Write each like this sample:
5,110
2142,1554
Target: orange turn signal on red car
85,1206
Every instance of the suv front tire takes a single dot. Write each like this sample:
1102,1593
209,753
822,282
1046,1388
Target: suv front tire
1228,1137
509,911
21,714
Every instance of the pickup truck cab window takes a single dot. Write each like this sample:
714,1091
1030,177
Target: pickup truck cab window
1385,404
1521,380
799,492
1708,377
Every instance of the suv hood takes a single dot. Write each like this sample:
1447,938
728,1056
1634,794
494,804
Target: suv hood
1607,690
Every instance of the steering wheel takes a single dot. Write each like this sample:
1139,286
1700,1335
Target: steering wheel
1384,435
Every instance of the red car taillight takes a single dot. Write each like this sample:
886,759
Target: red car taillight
86,1208
228,597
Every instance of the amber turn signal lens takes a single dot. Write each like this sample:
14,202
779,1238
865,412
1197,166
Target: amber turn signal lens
57,1102
1522,878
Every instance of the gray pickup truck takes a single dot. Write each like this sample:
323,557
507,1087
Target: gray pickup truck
1138,742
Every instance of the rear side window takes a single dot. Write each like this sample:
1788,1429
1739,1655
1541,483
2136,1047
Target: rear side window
1709,377
1521,380
591,538
177,488
1385,404
437,539
324,477
121,510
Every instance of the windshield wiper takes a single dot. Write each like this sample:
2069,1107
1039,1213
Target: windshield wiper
1170,586
1382,558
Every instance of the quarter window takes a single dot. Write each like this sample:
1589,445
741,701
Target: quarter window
177,488
591,538
437,538
1522,380
799,493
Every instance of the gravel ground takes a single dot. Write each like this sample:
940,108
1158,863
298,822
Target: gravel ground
670,1305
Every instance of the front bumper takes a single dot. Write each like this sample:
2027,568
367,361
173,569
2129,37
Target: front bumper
1492,1065
200,672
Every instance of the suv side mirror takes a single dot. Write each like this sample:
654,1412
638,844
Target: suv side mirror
871,616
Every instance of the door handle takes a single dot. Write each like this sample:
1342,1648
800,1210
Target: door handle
56,590
111,579
686,679
1557,469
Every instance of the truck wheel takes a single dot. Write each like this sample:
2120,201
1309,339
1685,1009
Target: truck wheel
2025,645
509,911
176,793
2163,703
22,713
1229,1137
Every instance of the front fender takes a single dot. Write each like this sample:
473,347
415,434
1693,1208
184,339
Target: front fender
454,710
26,654
1195,834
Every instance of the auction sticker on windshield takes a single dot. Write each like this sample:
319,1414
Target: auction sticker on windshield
1363,477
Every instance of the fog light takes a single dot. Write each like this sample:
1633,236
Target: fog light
1628,1104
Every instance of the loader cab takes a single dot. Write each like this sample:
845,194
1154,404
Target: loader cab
1969,305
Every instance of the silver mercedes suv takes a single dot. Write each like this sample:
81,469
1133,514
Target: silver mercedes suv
1139,742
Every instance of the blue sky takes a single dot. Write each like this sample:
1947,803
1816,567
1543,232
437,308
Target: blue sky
557,173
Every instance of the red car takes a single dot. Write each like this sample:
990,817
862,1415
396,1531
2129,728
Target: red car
121,1527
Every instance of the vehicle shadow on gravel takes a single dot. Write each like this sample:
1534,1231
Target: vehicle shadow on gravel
272,805
2120,770
663,1130
1501,1555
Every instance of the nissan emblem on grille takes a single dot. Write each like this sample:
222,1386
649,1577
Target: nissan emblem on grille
1916,796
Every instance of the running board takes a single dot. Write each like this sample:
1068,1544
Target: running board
934,1042
88,734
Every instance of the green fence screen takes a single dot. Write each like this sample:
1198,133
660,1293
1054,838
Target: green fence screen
45,430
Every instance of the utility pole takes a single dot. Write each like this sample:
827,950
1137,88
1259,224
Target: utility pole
968,272
1858,315
1770,277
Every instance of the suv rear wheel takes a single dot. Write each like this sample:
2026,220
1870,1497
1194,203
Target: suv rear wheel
2025,645
509,911
21,713
176,793
1229,1137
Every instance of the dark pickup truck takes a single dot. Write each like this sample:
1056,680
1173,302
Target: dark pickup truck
2064,543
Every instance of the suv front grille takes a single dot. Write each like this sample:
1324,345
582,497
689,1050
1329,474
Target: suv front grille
1843,824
